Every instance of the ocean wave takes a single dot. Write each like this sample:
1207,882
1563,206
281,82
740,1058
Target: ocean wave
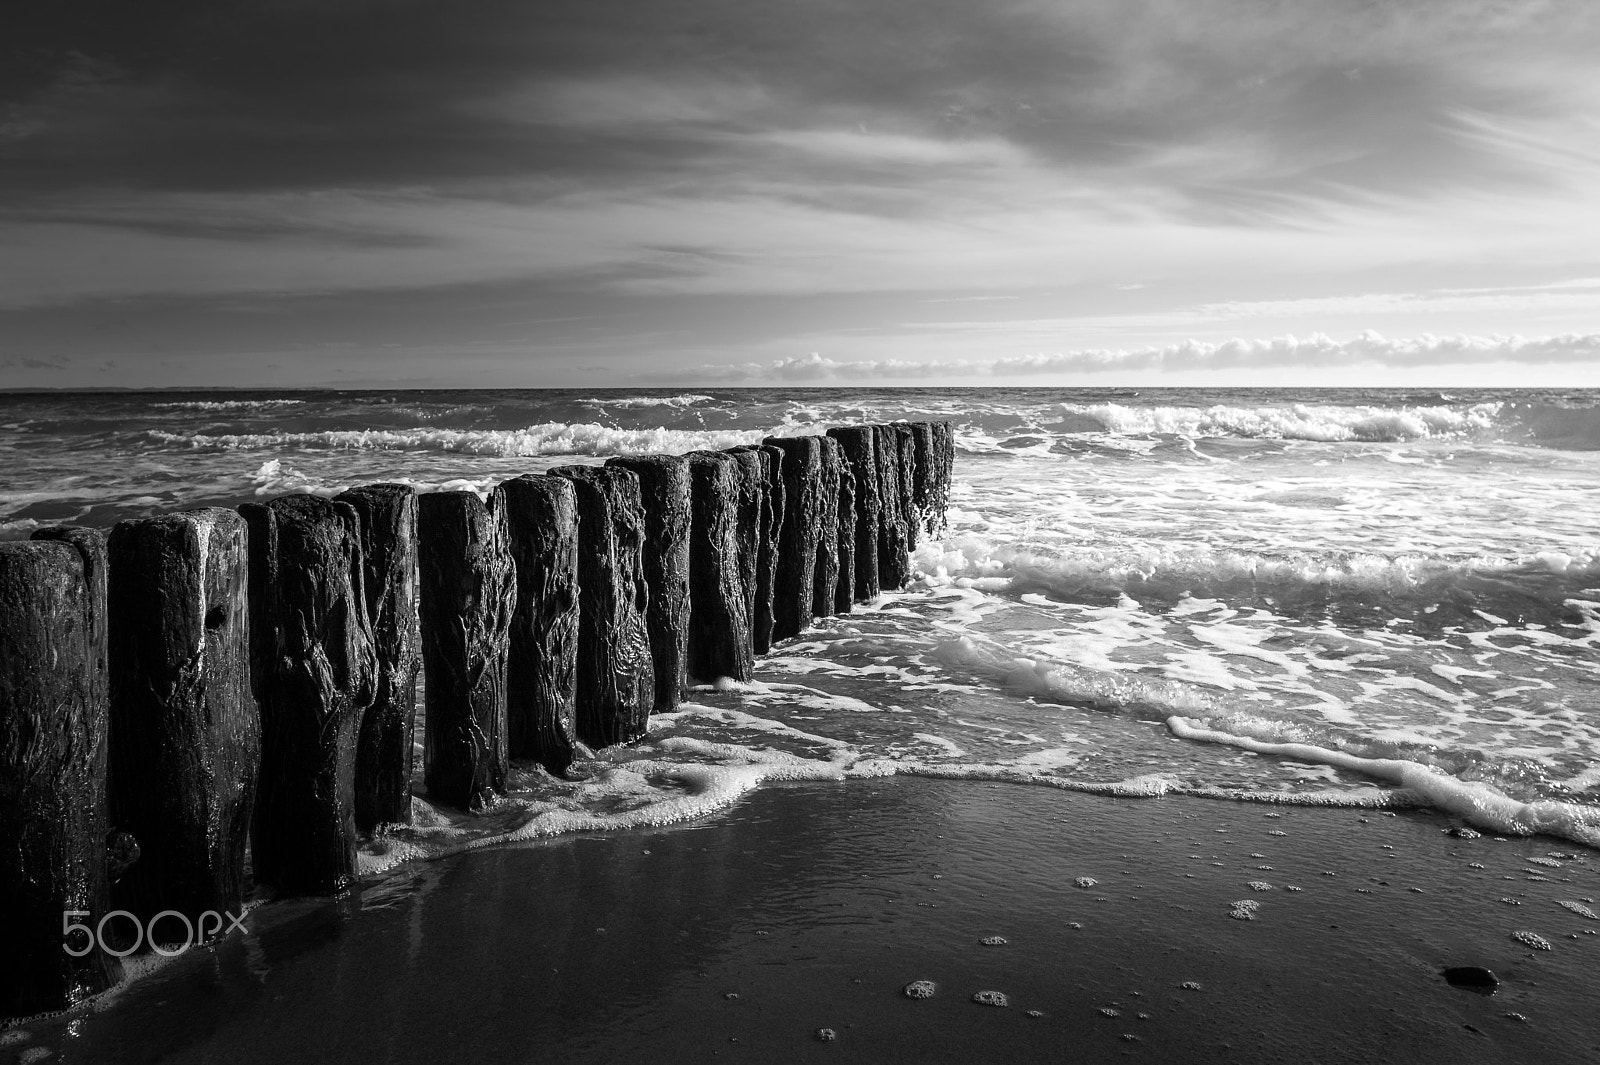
1478,803
1172,573
1328,424
275,477
549,438
629,402
1456,781
228,404
1064,682
1573,428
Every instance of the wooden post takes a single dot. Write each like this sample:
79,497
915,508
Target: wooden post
469,592
53,746
719,626
185,727
825,586
944,461
844,599
316,653
751,530
794,593
908,485
542,670
387,522
770,526
664,493
860,455
616,670
925,475
893,537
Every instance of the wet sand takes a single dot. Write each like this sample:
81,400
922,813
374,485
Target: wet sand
811,906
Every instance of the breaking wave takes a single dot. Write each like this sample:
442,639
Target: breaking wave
629,402
1573,428
549,438
228,404
1169,573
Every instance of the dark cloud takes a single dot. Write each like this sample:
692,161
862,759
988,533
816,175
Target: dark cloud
1229,101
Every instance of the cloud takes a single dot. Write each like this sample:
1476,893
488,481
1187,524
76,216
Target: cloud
1245,160
1281,352
28,362
1578,295
1233,108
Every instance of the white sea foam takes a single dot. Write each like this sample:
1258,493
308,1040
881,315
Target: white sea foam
549,438
1017,568
629,402
1067,683
1324,423
1476,802
277,477
230,404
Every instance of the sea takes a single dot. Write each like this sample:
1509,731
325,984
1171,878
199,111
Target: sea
1332,597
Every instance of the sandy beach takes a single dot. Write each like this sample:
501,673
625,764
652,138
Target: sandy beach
811,906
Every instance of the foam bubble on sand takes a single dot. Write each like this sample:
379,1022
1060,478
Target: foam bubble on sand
994,941
991,998
1531,940
920,989
1579,908
1244,909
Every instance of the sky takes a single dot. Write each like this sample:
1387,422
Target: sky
487,193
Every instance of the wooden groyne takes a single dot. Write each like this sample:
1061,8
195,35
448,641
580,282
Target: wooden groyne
211,697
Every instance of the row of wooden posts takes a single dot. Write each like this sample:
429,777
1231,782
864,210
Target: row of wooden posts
200,682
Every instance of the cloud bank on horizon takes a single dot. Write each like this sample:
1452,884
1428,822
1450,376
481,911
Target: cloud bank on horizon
1368,350
400,191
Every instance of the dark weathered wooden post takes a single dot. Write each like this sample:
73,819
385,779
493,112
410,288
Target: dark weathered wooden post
771,528
924,472
751,527
185,727
908,485
944,461
387,517
53,746
469,593
893,537
542,671
664,493
719,626
616,670
845,596
860,455
825,583
316,652
794,592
